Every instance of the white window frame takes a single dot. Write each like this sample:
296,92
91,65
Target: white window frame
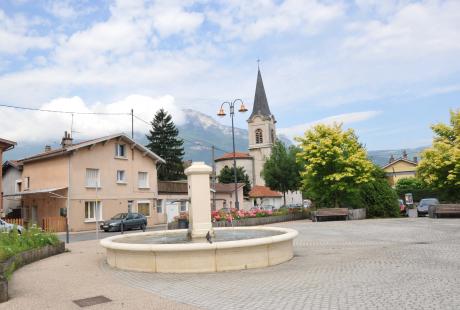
146,185
183,203
98,181
122,180
159,204
144,202
117,150
93,219
26,183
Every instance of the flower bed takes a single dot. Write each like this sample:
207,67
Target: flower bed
235,217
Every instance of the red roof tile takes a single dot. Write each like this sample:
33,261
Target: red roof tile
263,191
238,155
226,187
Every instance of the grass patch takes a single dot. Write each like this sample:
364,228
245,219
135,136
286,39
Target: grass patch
12,242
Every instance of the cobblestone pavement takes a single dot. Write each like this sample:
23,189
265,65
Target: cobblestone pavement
369,264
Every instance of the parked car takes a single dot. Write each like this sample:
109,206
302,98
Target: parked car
422,208
130,221
4,226
402,206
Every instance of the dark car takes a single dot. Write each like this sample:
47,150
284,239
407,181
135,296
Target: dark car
130,221
422,208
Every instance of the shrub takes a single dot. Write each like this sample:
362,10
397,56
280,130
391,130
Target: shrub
12,242
379,199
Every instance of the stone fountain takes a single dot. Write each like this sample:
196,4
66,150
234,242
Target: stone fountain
188,251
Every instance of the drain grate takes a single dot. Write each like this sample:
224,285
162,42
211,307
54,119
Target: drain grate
87,302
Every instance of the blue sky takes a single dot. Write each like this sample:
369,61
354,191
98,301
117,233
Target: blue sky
389,68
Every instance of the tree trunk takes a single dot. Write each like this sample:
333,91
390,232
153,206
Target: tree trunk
284,196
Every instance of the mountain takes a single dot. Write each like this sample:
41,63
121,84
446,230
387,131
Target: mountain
381,157
200,132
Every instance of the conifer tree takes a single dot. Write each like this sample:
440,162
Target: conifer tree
164,141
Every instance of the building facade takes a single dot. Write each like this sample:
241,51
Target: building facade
400,168
11,179
262,137
5,145
90,182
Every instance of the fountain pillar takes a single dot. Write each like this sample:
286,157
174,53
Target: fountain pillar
199,191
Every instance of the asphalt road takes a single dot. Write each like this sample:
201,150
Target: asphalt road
91,235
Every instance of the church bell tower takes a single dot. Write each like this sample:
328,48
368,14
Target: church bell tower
261,131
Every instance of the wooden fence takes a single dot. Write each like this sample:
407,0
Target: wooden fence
54,224
15,221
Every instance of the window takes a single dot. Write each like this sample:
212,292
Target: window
259,136
26,183
159,206
143,180
273,136
143,208
18,186
92,178
93,209
120,150
183,206
130,206
121,176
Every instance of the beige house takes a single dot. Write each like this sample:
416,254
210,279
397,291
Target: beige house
5,145
400,168
90,182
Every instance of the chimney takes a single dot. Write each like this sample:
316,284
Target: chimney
66,140
47,148
392,159
404,154
415,159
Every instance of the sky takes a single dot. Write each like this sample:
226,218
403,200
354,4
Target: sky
389,69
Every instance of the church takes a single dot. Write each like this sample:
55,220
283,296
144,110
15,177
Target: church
262,136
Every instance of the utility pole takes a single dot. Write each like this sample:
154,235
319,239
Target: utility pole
132,124
213,179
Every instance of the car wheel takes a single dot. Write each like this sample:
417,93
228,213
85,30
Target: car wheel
142,227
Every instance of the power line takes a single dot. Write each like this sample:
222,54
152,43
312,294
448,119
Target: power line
198,141
57,111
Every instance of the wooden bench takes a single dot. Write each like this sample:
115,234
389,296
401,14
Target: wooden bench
330,213
444,210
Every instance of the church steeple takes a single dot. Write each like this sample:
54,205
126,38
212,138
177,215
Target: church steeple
260,99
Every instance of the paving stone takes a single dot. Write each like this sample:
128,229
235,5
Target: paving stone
369,264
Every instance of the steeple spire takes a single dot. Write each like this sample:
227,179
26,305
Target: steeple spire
260,99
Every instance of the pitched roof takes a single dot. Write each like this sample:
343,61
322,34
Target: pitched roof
238,155
226,187
260,99
6,144
73,147
262,191
398,160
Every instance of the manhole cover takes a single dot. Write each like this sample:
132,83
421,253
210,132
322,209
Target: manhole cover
86,302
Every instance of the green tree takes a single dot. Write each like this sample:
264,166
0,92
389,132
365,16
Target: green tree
164,141
377,196
227,175
281,171
440,164
416,187
334,163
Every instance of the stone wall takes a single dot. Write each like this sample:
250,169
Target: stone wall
24,258
356,214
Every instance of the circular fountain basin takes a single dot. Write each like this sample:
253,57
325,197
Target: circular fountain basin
170,251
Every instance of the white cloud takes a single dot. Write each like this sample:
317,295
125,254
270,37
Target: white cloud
50,126
15,36
346,118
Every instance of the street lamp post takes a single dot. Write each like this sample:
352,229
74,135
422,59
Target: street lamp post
221,112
